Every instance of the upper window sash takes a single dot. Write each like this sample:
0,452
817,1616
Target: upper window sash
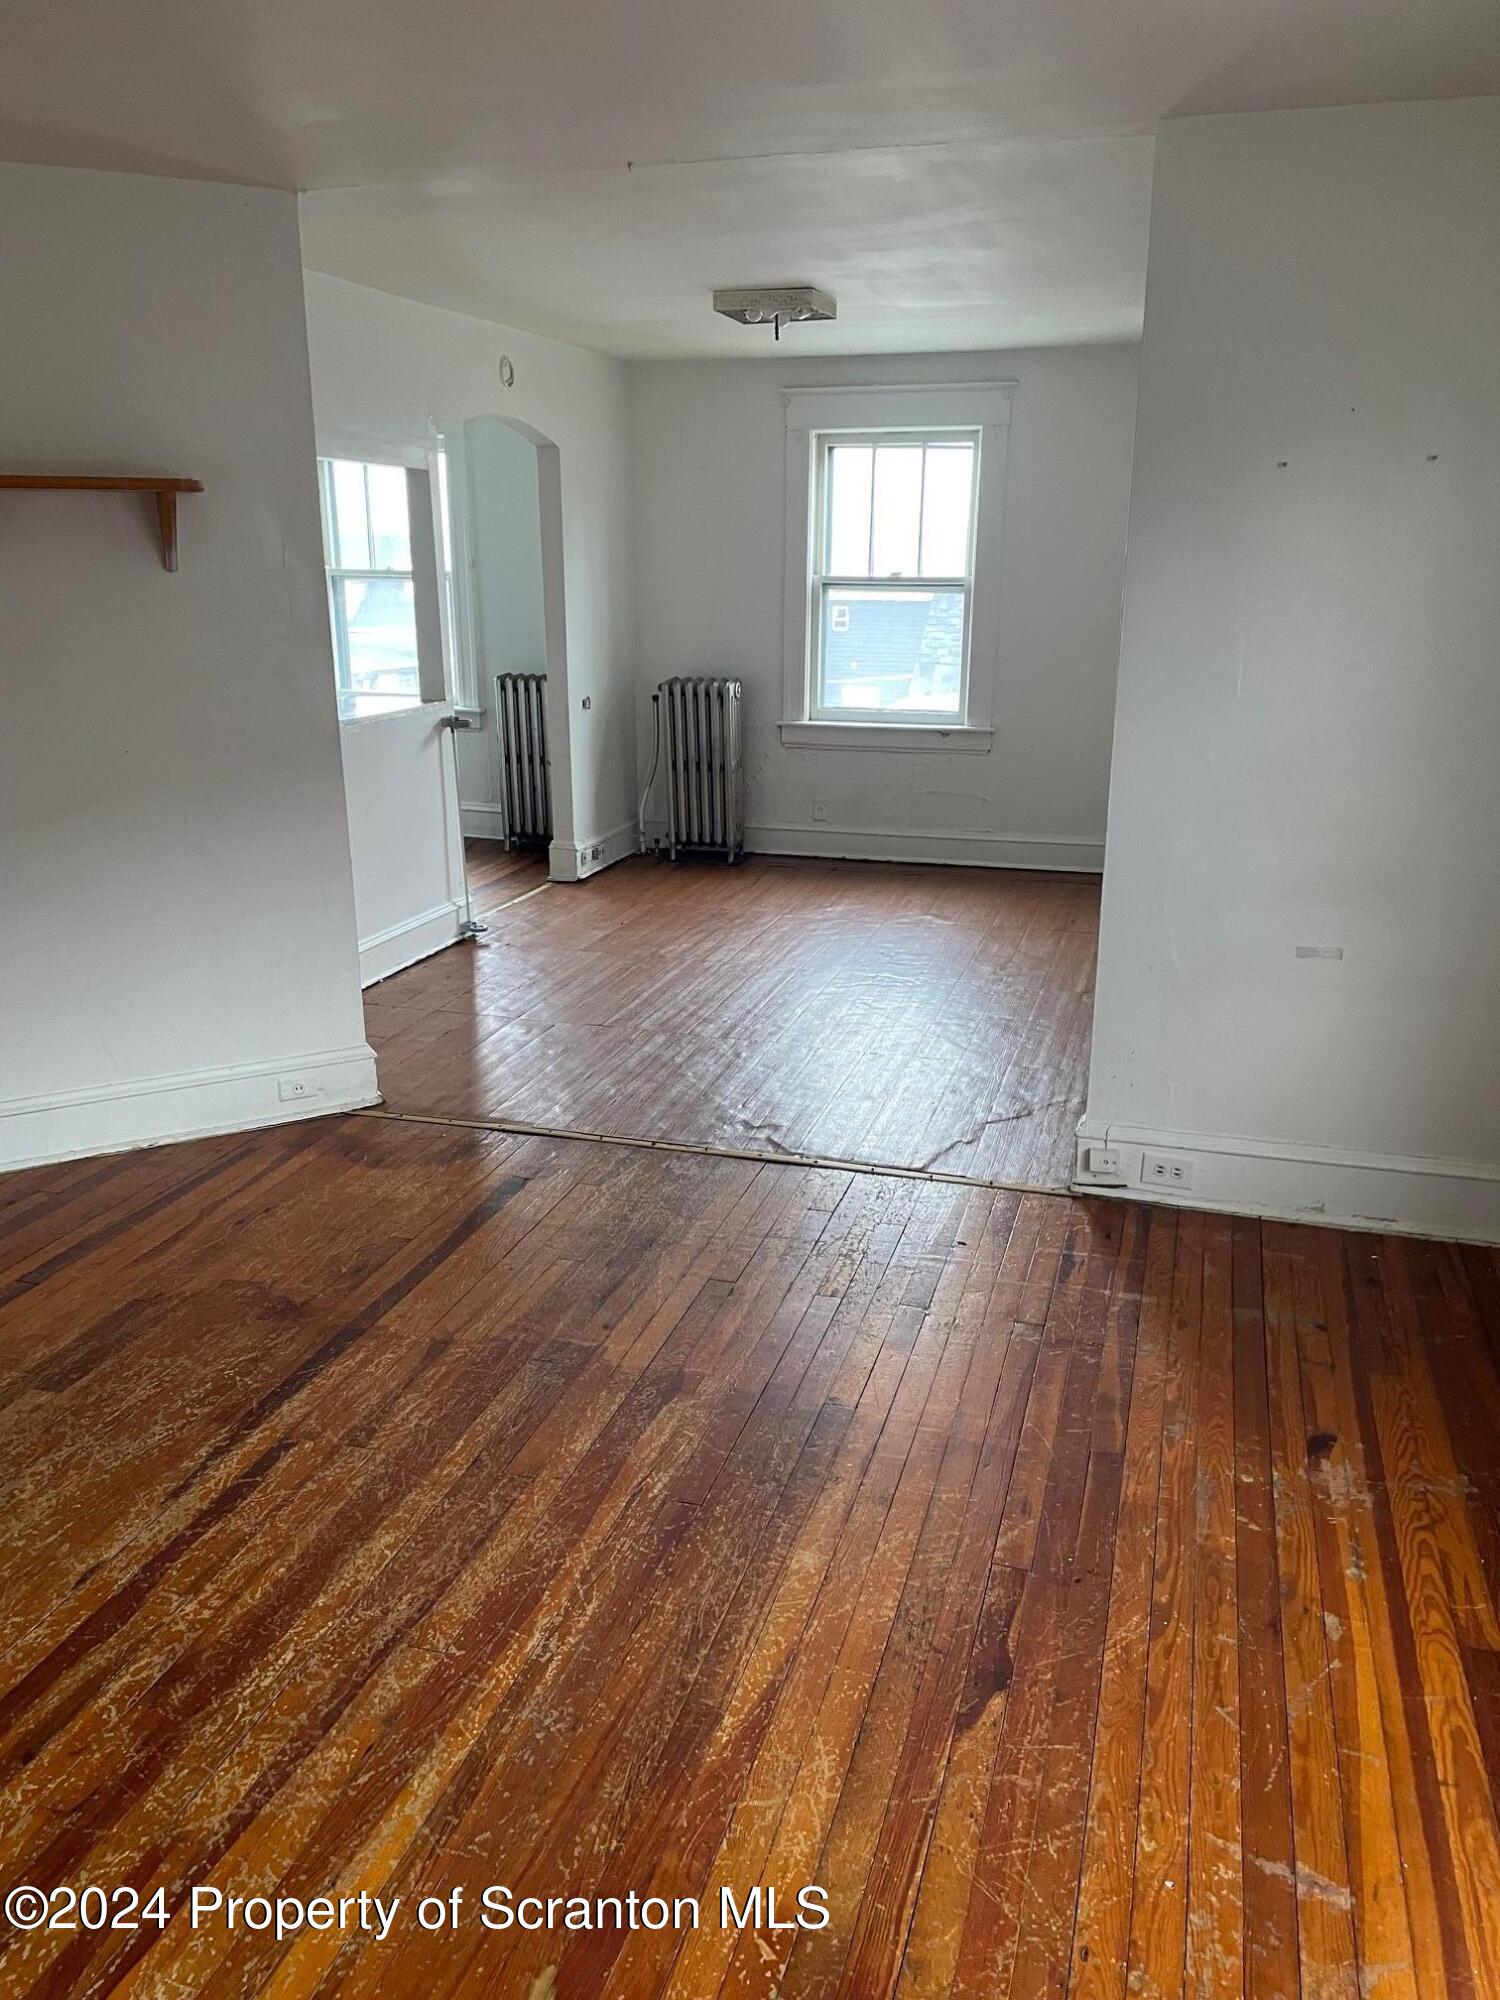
335,556
826,442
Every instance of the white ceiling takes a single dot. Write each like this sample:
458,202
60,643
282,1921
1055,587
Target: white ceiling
960,173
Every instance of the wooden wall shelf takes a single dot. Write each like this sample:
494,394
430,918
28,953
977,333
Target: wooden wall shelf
165,489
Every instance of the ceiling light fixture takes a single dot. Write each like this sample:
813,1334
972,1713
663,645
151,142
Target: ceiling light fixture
775,305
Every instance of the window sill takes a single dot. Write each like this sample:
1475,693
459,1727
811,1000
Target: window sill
928,736
373,707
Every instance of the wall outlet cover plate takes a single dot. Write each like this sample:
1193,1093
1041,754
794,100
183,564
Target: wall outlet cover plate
1173,1170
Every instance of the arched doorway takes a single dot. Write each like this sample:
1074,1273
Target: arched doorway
505,605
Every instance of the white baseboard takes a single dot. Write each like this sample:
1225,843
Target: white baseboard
568,860
1451,1199
72,1124
482,821
575,860
404,943
1069,854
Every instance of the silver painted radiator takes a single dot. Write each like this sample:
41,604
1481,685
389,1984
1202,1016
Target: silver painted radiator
525,768
705,785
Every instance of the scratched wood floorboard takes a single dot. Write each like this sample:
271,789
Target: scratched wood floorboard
1097,1600
904,1016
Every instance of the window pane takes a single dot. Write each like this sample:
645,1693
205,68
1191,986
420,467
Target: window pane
351,521
849,470
898,507
947,497
390,526
379,629
892,650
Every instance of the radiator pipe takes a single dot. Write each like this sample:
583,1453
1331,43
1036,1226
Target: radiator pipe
640,818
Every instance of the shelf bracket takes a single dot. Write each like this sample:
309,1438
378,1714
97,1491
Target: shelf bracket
166,521
164,489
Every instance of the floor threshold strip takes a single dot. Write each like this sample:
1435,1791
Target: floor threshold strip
525,1129
494,909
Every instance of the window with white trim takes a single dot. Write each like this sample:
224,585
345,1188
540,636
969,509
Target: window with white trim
893,510
892,575
371,589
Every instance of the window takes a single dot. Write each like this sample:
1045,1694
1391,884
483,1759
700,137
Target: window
893,629
892,575
371,593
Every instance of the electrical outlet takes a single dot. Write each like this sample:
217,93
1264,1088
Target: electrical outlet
1104,1163
1166,1170
293,1089
820,808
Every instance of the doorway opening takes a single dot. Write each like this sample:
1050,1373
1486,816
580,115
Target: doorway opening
805,1006
501,509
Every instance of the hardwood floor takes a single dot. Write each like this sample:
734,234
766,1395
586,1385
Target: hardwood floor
928,1018
1090,1599
497,878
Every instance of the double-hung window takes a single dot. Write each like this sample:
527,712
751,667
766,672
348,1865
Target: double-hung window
371,592
893,617
892,575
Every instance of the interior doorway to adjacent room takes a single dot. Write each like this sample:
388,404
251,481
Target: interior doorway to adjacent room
932,1019
504,606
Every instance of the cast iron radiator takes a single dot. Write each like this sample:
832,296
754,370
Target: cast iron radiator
705,791
521,738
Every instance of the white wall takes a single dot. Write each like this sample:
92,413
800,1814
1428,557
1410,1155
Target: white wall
1309,707
176,916
709,475
505,532
387,373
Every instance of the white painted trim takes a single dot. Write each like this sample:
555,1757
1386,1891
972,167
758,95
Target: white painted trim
426,586
1066,854
981,406
1288,1182
576,860
962,403
799,511
929,736
403,944
483,819
461,653
193,1104
379,717
559,699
